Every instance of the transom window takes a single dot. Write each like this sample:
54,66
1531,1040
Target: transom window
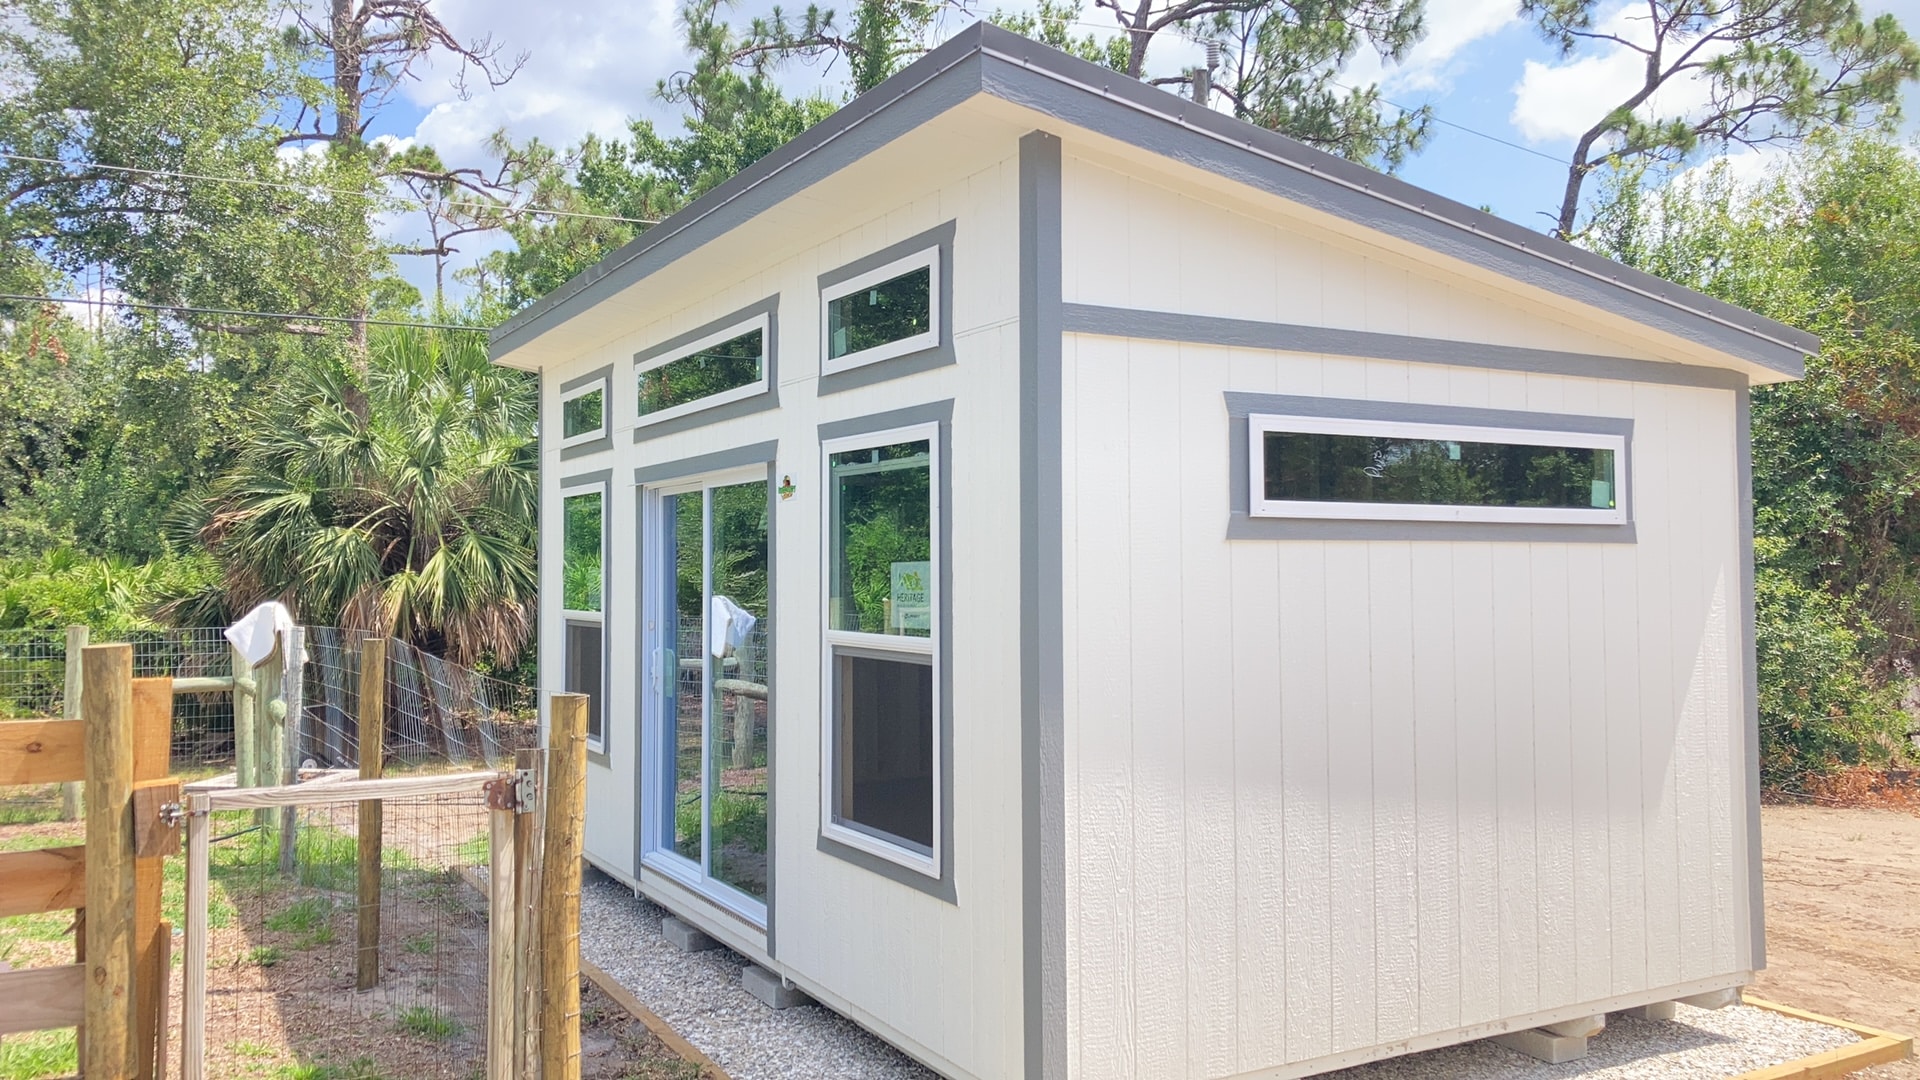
583,413
889,311
723,366
582,592
883,604
1323,467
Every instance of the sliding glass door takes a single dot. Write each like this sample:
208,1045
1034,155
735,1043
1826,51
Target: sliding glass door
707,626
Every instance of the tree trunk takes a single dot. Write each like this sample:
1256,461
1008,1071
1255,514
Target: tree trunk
347,32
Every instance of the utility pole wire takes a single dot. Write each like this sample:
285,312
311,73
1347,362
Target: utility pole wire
143,305
283,185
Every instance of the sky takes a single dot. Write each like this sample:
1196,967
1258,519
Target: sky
1509,106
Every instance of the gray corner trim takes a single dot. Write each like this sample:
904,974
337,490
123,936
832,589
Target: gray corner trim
756,454
987,59
597,476
579,381
1750,676
758,403
944,887
1288,337
928,87
940,355
1042,617
1243,526
932,412
773,682
1086,95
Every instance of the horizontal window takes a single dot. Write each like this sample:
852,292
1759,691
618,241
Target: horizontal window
883,760
721,367
1334,468
886,312
583,413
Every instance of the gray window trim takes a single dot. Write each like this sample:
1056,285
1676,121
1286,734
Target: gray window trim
764,401
936,356
601,754
1242,526
604,443
1118,322
943,887
760,453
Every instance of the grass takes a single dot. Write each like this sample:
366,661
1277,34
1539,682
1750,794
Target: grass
303,916
41,1053
265,955
422,945
429,1023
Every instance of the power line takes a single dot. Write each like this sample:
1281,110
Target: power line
283,185
287,316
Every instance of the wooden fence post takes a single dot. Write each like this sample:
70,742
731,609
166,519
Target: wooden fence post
502,1000
193,994
293,729
526,929
269,717
152,762
566,806
373,729
107,709
76,682
244,740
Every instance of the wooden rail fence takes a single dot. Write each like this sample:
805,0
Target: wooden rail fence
115,991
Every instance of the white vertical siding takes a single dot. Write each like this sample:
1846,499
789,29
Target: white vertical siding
1331,796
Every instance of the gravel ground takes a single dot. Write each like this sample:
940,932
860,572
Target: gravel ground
701,996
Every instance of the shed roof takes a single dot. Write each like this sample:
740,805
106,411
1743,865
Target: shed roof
987,60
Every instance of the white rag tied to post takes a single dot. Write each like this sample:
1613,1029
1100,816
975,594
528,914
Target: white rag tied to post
728,627
260,629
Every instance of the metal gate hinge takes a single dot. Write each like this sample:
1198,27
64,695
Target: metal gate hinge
512,791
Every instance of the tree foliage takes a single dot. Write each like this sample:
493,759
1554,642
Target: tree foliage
410,515
1827,245
1773,70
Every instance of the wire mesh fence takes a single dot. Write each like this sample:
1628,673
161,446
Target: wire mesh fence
284,950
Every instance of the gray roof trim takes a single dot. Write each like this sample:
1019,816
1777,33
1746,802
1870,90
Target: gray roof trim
986,59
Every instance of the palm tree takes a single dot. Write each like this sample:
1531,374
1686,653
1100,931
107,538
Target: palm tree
399,500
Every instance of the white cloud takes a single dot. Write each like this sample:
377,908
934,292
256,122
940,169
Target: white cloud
1562,100
589,67
1452,26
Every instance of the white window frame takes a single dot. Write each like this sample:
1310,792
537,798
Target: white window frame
928,863
1258,505
598,618
930,338
606,413
761,322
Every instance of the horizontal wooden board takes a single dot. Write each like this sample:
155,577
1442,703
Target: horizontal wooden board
42,752
40,999
50,879
404,787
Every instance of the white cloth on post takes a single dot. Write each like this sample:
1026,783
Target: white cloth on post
728,626
254,635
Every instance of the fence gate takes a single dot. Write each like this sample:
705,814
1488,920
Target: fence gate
532,883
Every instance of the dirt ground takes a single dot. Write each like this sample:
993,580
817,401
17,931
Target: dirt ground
1843,917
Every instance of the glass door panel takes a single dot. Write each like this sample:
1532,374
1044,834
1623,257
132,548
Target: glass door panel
737,666
710,622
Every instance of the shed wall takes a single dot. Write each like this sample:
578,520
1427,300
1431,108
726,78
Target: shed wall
941,978
1326,797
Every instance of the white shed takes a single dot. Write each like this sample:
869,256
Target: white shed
1086,587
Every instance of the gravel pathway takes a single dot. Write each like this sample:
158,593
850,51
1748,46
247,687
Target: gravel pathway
701,996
